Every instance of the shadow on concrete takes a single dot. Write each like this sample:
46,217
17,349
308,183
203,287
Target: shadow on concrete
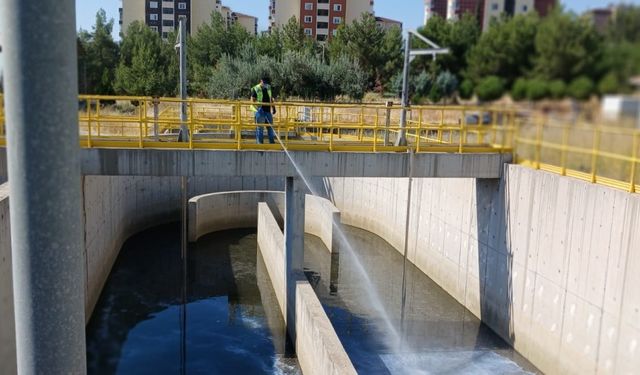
494,257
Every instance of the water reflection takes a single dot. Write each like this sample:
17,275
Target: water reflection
230,324
439,334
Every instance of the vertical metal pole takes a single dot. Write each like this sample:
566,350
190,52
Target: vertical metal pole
184,130
156,114
402,139
387,123
41,87
293,245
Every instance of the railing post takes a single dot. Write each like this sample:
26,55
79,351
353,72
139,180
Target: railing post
141,109
156,115
238,110
191,125
331,131
595,153
539,136
89,123
565,150
98,116
463,127
634,161
387,124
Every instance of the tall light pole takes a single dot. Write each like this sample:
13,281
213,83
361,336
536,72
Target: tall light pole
409,55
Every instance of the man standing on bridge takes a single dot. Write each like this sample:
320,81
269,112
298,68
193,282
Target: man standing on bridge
261,93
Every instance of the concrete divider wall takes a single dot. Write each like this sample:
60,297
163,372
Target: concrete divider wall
7,326
550,263
319,219
317,345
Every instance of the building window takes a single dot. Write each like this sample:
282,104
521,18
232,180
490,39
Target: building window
323,12
308,6
153,5
321,38
323,25
167,10
494,6
153,17
308,32
323,1
154,28
525,8
167,23
182,6
165,35
335,32
337,20
308,19
337,7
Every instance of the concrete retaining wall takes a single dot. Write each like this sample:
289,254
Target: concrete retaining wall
7,326
550,263
317,345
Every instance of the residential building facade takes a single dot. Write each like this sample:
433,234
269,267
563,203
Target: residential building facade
485,10
387,23
163,15
320,19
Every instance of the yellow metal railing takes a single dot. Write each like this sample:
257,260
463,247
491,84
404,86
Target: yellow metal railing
606,155
600,154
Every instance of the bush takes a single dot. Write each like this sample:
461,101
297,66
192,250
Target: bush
490,88
581,88
557,89
519,89
423,84
466,89
609,84
447,83
537,90
435,95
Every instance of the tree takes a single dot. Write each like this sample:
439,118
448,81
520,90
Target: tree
505,49
557,89
148,65
362,40
293,37
566,47
466,89
609,84
519,89
625,26
537,89
97,57
392,55
458,36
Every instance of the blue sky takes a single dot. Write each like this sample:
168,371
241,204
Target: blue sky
410,13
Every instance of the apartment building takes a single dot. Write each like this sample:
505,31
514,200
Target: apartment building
320,19
485,10
163,15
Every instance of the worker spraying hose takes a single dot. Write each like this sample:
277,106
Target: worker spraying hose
261,93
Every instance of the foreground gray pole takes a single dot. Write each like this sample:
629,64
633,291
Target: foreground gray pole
402,138
41,98
293,245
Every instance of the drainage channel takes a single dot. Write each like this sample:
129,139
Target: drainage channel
230,323
439,335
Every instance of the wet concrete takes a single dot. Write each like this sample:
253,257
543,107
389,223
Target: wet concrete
439,335
142,324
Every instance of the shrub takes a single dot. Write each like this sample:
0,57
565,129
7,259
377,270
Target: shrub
519,89
557,89
423,84
537,90
490,88
581,88
609,84
466,89
435,95
447,83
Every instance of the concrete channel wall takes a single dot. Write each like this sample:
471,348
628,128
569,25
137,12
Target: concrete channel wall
7,326
238,209
317,345
552,264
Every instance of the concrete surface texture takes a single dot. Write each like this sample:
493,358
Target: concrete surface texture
7,326
550,263
147,162
4,173
318,348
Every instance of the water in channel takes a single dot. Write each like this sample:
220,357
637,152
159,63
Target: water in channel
226,320
439,335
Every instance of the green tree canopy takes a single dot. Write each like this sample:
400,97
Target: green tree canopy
505,50
97,57
148,65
